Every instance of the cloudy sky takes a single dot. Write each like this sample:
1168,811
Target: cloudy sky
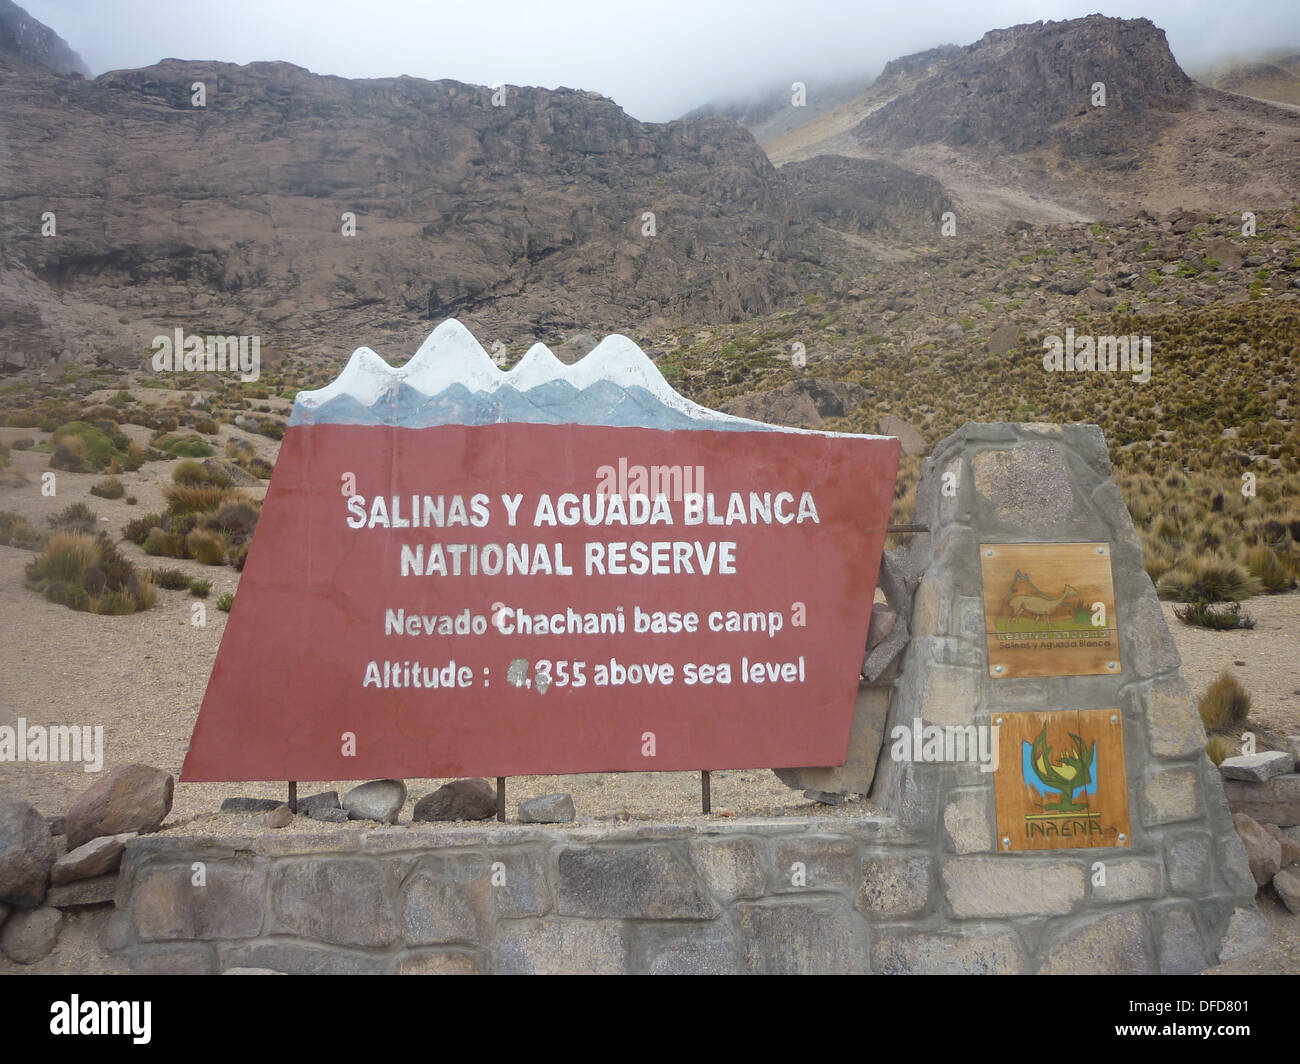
657,58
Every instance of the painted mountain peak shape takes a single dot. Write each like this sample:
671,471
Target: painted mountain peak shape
451,380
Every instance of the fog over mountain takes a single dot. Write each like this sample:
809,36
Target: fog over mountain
657,63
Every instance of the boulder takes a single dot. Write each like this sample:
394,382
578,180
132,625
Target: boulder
329,816
548,809
1003,339
908,435
97,891
26,854
1263,852
378,800
883,619
250,805
94,858
313,802
1257,767
232,471
1290,845
1226,253
29,935
1287,885
130,798
472,799
279,817
1276,801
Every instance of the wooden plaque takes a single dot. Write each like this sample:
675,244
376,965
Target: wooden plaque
1061,781
1049,609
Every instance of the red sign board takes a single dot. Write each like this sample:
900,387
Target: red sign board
513,598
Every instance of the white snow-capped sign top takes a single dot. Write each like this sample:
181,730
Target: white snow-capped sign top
451,379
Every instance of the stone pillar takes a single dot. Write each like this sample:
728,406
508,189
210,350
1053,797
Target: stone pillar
1180,896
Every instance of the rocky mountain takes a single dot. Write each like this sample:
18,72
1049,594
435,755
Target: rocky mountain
862,196
532,218
1012,127
37,43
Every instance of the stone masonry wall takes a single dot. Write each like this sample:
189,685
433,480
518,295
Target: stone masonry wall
710,897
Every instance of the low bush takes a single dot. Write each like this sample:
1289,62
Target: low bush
1221,617
197,498
225,600
17,531
1218,747
192,472
1266,567
80,447
137,529
171,579
1207,579
206,547
190,446
237,518
75,517
200,588
109,488
165,544
87,573
1224,703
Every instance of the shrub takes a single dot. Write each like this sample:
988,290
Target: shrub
238,556
206,547
196,498
192,472
207,426
87,573
75,517
238,518
241,451
166,544
110,488
269,427
24,444
137,529
1266,567
200,588
1207,579
171,579
225,600
131,500
1218,747
1224,703
17,531
179,524
81,447
260,468
1221,617
187,447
